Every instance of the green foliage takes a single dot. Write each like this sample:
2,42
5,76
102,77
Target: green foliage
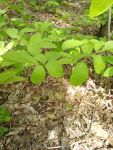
98,7
3,131
7,75
5,116
85,20
11,32
51,6
79,74
109,46
108,72
69,44
19,56
38,74
54,68
44,49
99,63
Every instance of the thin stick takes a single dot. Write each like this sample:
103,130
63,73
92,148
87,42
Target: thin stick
56,147
92,115
109,23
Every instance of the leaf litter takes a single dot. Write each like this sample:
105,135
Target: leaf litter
55,112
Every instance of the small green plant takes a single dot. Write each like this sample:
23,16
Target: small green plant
5,116
59,52
63,15
45,49
51,6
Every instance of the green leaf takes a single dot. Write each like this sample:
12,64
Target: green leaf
4,76
52,55
108,72
109,59
41,58
38,75
69,44
33,48
99,6
2,11
4,63
108,46
36,37
9,46
3,21
99,63
46,43
11,32
5,115
37,43
42,26
4,1
1,47
97,44
54,68
19,57
76,54
3,130
87,48
79,74
1,60
25,39
6,48
65,61
14,79
27,30
67,55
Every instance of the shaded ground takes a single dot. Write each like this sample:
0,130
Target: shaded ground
41,119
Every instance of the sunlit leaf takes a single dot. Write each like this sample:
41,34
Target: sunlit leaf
38,74
79,74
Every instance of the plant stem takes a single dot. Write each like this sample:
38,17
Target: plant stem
109,23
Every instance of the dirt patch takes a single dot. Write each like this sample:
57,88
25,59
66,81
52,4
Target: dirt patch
45,116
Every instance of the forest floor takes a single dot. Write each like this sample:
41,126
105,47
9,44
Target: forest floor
57,115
